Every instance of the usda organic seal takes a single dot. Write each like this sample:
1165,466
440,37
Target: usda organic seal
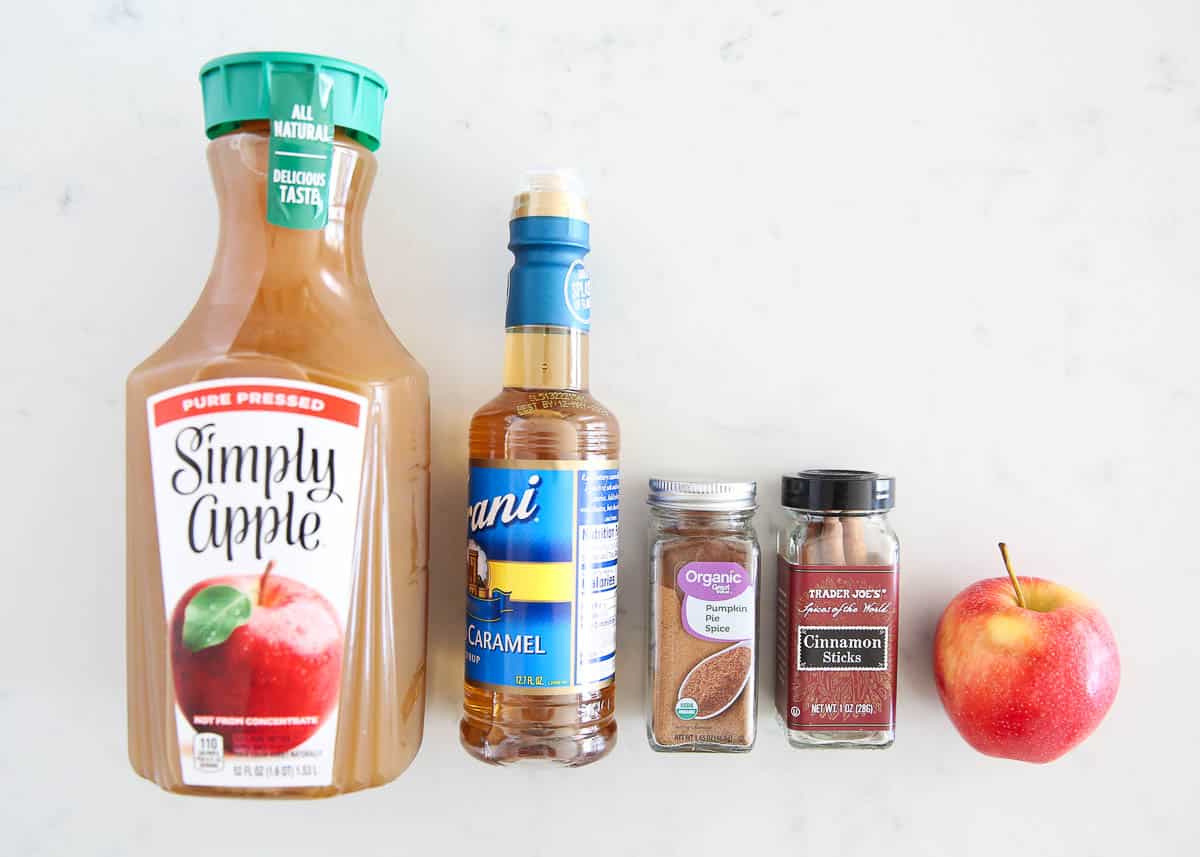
686,708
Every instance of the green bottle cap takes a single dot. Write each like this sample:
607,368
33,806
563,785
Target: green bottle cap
237,89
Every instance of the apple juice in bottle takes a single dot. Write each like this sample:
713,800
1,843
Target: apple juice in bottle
278,469
542,510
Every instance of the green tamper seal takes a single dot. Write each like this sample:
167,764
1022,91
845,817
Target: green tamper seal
304,97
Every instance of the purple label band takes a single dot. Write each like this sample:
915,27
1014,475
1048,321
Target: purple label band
713,581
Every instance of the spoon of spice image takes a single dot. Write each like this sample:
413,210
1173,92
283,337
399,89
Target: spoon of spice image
716,682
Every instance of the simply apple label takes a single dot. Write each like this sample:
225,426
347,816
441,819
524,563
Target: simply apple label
256,493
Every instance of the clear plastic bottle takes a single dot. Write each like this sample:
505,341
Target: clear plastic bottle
542,550
837,626
278,469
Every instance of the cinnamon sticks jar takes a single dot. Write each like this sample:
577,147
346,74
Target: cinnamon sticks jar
837,602
704,567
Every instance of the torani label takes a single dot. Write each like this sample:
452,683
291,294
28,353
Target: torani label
256,493
541,574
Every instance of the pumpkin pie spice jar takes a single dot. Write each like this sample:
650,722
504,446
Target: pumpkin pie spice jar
704,566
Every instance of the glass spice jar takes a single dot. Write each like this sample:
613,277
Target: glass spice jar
704,569
838,605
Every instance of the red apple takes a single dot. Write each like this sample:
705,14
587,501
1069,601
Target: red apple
284,659
1025,668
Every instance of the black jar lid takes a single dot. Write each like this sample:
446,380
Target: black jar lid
839,491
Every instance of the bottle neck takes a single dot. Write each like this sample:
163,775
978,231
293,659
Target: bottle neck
549,301
253,254
545,358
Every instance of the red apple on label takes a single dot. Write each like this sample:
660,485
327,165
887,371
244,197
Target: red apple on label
1026,668
247,647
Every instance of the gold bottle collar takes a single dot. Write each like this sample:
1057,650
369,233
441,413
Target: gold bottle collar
550,193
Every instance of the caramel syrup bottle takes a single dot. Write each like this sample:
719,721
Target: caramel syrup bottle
278,469
543,510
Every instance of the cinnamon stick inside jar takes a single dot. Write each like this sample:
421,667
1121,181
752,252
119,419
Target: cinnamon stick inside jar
704,564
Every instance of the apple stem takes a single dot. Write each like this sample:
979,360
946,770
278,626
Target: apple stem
1012,575
262,581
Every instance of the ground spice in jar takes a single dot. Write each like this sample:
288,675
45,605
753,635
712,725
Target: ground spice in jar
716,682
703,598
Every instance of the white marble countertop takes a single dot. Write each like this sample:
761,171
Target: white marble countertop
952,240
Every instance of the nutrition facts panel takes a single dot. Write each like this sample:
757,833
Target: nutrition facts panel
596,576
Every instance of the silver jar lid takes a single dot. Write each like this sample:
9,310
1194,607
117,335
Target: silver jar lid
706,495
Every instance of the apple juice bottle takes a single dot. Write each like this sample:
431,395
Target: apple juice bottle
278,468
838,601
542,510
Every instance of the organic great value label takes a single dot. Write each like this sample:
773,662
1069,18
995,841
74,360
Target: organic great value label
718,601
836,645
542,574
256,494
300,152
717,605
